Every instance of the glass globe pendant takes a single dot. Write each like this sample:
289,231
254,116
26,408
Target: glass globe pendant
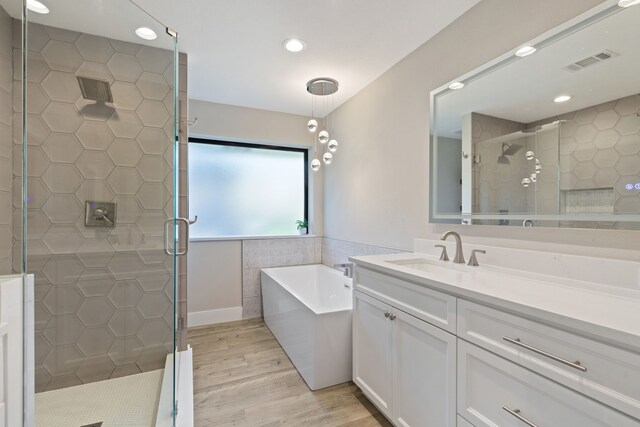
529,155
327,158
526,182
323,136
312,125
333,146
315,165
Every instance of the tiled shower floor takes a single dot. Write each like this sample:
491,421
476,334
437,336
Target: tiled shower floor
129,401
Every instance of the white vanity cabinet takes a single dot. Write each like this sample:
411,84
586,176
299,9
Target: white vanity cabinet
427,358
405,365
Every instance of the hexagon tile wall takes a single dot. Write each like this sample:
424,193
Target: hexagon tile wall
104,297
597,148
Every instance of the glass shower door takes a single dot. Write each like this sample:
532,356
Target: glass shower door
101,176
15,288
518,174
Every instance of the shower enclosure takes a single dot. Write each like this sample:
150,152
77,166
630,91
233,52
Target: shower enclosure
517,172
89,196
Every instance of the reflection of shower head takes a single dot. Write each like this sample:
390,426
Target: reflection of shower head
508,150
97,90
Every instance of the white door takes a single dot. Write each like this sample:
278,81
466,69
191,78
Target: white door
372,346
424,373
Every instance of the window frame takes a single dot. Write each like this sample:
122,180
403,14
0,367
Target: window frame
240,144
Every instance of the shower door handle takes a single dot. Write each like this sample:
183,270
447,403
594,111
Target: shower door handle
187,222
167,233
167,249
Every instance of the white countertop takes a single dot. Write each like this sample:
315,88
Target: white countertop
604,313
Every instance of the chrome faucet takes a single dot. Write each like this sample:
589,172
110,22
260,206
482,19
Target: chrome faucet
348,268
459,258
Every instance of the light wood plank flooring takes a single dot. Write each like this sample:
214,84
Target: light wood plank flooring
242,377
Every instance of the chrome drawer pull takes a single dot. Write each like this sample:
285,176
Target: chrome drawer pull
516,413
575,365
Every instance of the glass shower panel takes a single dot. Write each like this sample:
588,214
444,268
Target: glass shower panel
11,185
100,120
545,147
518,174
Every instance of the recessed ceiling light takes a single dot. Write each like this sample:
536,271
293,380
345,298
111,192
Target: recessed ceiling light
562,98
146,33
627,3
293,45
37,7
456,85
525,51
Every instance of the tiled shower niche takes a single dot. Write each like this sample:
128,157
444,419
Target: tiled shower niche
104,297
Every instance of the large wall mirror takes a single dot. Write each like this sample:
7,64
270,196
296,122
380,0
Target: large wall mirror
548,134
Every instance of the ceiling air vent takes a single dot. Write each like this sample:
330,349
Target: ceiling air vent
591,60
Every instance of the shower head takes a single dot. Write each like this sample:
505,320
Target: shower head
96,90
510,150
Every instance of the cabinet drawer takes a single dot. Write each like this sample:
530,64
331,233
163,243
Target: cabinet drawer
434,307
606,373
495,392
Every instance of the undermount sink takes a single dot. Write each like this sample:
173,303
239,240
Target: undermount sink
427,264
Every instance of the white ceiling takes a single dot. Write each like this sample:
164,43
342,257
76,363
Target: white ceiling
236,54
524,90
235,47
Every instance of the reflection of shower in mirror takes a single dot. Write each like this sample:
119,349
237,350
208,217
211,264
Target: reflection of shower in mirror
508,150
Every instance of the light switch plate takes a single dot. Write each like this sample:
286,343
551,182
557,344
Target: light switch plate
93,217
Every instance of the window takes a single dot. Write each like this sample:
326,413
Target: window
241,189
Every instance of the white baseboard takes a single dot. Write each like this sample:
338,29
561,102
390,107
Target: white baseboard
210,317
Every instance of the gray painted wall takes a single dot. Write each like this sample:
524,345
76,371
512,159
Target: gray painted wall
377,188
450,174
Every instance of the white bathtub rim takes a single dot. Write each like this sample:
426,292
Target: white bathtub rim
333,271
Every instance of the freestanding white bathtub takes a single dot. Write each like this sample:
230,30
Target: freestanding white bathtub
308,310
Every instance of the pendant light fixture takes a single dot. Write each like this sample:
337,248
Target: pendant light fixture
322,89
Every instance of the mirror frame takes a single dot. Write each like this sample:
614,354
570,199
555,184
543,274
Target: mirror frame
596,14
